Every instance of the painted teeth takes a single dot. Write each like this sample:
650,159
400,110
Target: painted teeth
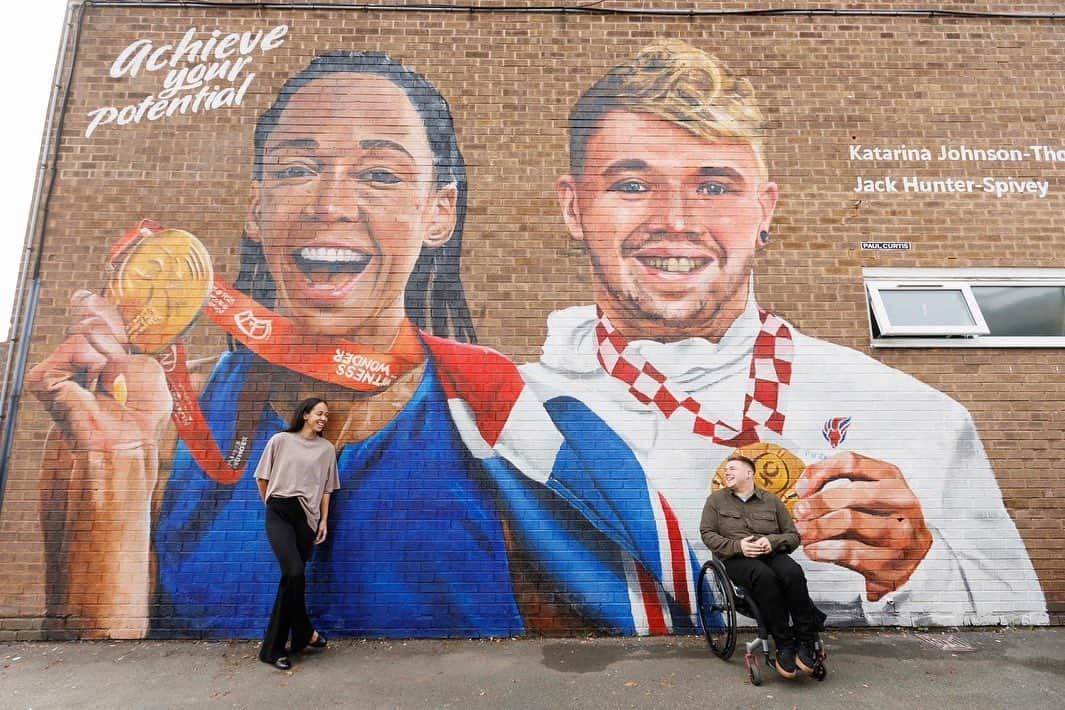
330,255
677,265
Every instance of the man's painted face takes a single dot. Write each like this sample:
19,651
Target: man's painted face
671,223
346,202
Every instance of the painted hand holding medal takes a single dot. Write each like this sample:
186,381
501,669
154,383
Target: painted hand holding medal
159,282
162,279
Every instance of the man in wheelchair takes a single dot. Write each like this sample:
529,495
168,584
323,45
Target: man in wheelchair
751,532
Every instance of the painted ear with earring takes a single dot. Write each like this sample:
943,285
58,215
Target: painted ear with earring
763,237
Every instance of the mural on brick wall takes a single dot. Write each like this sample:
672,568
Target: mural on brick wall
479,497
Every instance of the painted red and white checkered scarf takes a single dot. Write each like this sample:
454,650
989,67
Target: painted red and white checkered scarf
770,375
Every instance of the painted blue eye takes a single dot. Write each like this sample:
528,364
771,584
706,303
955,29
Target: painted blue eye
713,189
630,187
384,177
292,172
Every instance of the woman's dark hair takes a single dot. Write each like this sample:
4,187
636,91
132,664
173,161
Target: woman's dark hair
434,298
297,420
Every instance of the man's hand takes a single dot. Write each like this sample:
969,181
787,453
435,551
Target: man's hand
873,524
754,547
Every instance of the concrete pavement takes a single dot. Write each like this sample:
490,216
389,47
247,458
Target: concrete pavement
866,668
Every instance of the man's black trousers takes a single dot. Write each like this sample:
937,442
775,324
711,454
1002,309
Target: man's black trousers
292,541
778,586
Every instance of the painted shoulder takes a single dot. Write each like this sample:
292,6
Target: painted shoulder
547,383
455,353
835,373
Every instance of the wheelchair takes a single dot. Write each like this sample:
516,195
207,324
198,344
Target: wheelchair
718,603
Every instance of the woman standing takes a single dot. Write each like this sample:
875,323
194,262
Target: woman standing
296,475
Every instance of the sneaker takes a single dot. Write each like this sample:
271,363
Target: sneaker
806,657
784,663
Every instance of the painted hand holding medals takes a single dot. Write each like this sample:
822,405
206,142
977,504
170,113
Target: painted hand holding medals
162,279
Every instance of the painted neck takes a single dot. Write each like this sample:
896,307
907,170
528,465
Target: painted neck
711,323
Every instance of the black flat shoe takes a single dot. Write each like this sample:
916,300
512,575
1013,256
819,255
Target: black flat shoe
321,642
282,663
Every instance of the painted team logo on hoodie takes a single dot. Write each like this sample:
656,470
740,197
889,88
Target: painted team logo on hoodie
835,430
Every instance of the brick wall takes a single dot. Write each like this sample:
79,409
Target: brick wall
824,84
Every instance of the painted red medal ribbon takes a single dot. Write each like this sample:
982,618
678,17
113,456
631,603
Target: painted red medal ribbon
278,340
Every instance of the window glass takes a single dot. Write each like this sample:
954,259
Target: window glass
1022,310
926,307
1012,307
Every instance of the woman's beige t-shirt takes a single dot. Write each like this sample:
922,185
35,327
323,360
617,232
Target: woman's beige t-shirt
298,467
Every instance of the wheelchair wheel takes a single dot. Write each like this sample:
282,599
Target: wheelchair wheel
754,671
717,609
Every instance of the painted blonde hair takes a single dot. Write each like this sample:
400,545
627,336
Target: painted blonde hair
674,81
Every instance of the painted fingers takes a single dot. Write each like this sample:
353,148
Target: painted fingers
99,394
869,520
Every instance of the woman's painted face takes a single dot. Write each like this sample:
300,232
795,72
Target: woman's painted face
346,202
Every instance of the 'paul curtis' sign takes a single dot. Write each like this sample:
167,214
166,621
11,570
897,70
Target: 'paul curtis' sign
201,74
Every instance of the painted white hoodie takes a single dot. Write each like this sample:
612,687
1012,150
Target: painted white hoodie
977,570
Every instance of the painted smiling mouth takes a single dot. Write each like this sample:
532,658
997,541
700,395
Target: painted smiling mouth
324,265
674,264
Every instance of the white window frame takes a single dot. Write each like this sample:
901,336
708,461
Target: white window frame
963,279
876,287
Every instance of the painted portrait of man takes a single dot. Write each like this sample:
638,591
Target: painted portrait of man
670,194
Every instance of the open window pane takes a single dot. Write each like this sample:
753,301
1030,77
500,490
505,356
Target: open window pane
932,308
925,309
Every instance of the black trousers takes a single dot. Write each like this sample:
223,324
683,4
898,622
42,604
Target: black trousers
292,541
778,586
